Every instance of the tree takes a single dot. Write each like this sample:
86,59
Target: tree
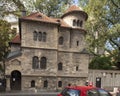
49,7
5,36
114,43
11,7
101,62
103,28
52,8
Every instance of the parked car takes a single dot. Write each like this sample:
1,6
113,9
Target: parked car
83,91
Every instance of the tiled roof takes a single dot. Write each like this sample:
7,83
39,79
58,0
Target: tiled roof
61,22
16,39
39,17
74,8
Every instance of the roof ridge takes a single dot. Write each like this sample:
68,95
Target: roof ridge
73,7
38,16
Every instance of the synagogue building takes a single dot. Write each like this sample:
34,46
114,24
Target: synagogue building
48,53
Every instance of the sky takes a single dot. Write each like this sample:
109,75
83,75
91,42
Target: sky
76,2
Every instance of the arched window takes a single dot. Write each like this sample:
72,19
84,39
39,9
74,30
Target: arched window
74,22
35,63
35,35
45,84
78,22
40,36
60,65
59,83
61,40
44,36
81,23
32,83
43,63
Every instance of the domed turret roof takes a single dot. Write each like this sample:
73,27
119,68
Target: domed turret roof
75,8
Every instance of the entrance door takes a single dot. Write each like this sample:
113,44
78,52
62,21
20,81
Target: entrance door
98,82
15,80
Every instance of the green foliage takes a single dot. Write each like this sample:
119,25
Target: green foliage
101,62
96,27
11,7
103,27
6,34
5,37
52,8
49,7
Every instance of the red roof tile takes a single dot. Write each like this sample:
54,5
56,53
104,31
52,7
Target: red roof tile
74,8
39,17
16,39
61,22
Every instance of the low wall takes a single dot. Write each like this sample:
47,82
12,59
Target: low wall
109,78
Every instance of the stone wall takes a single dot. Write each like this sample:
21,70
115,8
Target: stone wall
52,82
69,18
28,27
109,78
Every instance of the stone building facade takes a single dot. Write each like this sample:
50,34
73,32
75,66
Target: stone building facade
49,53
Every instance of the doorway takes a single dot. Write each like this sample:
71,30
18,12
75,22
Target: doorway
15,80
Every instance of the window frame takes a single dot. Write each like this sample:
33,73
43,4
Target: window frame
59,83
60,66
35,62
61,40
35,35
81,23
33,83
43,62
77,68
44,36
74,22
77,43
78,23
45,84
40,36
